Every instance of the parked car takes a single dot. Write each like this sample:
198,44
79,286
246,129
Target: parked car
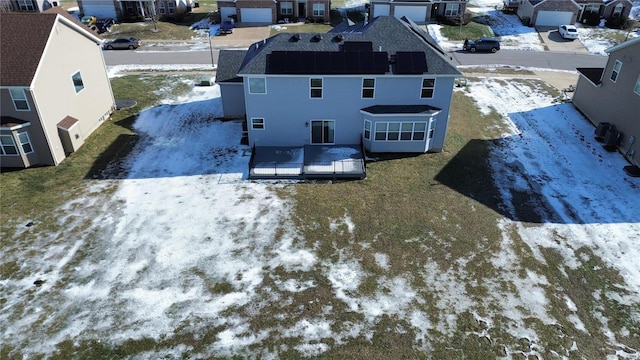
88,20
568,32
122,43
482,44
226,27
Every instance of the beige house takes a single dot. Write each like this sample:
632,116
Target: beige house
548,12
272,11
611,95
54,89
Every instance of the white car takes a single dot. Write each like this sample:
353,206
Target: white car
568,32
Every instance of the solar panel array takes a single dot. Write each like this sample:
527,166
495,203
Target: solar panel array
327,62
361,46
410,62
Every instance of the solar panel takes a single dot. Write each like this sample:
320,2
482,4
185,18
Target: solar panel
410,62
322,62
359,46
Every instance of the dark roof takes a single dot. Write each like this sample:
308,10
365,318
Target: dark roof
535,2
401,109
229,62
383,36
593,74
23,37
9,122
67,122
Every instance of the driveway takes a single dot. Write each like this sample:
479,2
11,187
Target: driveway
243,35
554,42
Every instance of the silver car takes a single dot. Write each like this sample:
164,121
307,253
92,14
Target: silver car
122,43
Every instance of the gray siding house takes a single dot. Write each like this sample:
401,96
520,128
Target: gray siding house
385,84
611,95
548,12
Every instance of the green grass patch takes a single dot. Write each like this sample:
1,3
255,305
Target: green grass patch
302,28
157,30
472,30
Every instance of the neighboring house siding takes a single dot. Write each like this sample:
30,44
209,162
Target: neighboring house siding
54,91
556,5
40,154
525,11
341,102
232,99
256,4
615,102
418,11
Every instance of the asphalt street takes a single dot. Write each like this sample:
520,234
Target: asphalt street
533,59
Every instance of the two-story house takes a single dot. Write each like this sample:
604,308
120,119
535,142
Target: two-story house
384,84
130,9
419,11
548,12
27,5
273,11
611,96
54,88
603,9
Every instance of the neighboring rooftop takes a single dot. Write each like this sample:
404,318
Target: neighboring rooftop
593,74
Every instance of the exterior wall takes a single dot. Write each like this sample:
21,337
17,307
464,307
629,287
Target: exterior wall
53,90
232,99
615,102
556,5
607,11
41,153
248,4
288,123
525,11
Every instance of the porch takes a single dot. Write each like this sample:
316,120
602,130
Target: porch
307,162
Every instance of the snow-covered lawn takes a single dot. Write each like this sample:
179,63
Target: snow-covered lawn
189,256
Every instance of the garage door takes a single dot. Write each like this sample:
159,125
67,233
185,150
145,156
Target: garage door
100,11
259,15
225,12
416,13
380,10
553,18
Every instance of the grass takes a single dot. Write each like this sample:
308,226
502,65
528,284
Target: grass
424,212
301,28
472,30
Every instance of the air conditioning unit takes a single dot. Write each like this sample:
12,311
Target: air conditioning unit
601,130
612,139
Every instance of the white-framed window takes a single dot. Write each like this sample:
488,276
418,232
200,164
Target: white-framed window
8,145
318,9
26,5
172,7
257,123
616,70
368,88
257,85
617,10
286,8
367,129
426,91
593,8
161,8
25,142
636,88
315,88
400,131
323,131
19,99
452,10
77,82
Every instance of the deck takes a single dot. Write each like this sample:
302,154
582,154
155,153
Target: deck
308,162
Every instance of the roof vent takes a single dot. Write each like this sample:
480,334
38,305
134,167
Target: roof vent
295,38
316,38
338,38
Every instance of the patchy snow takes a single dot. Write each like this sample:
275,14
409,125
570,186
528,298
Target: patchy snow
122,70
187,242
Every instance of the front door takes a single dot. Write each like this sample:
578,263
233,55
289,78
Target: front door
322,131
302,11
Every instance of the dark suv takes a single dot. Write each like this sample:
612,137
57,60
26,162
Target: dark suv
483,44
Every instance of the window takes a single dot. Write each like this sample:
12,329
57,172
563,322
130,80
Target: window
427,88
636,89
398,131
257,86
8,146
593,8
318,9
616,70
172,7
161,8
452,10
367,129
77,82
257,123
19,99
26,5
617,11
322,131
368,87
316,88
286,8
25,142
